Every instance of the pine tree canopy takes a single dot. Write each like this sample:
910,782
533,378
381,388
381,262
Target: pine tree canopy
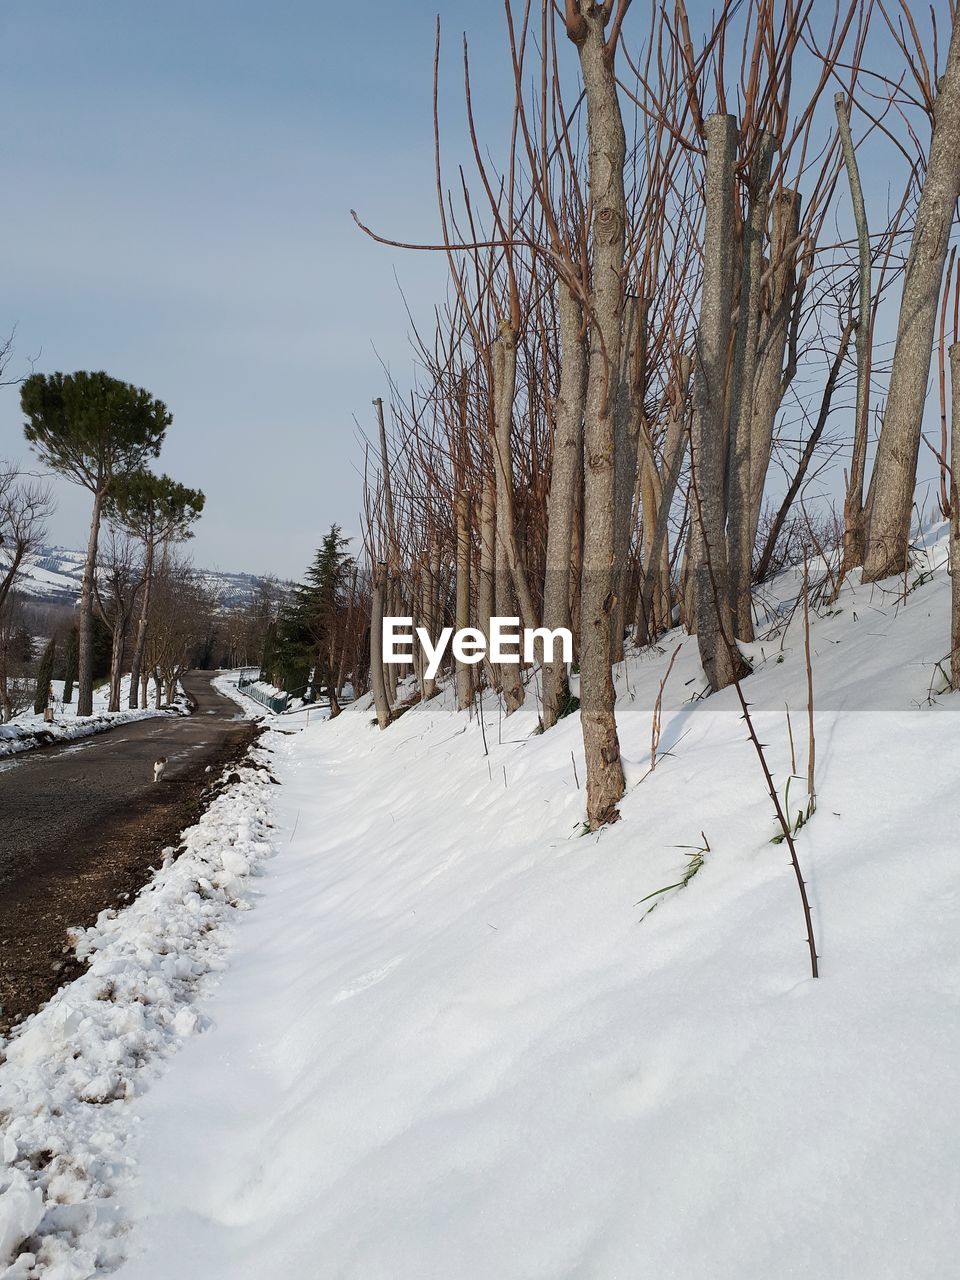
91,427
155,508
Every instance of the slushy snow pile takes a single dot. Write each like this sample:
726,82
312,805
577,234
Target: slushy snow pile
454,1041
27,730
72,1071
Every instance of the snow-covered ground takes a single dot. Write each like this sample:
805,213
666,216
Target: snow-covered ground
72,1073
453,1039
28,730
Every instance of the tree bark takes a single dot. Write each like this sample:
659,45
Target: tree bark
462,506
486,587
739,474
714,620
606,156
140,643
377,682
853,513
955,515
85,613
505,390
561,503
116,662
771,381
509,575
428,590
890,501
654,605
628,471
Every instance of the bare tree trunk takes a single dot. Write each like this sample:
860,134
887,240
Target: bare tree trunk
771,380
576,555
144,689
627,428
505,389
85,615
709,554
433,623
853,513
508,674
654,607
140,643
564,480
895,470
389,597
461,508
955,515
740,540
116,660
377,682
486,590
606,155
509,574
393,609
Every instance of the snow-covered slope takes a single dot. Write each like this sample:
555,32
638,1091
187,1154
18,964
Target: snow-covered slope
55,574
454,1041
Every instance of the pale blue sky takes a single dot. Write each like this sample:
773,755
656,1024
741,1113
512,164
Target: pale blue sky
177,187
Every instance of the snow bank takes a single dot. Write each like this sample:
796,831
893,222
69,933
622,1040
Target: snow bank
227,683
71,1072
456,1042
26,731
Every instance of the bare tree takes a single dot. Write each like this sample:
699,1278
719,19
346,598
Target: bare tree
714,618
25,507
890,502
595,30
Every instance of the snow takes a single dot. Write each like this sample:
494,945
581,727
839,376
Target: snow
27,730
453,1040
55,574
71,1071
226,683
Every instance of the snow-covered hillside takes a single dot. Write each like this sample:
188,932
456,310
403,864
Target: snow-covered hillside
54,575
453,1039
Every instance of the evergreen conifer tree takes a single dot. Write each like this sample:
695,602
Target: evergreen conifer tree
321,599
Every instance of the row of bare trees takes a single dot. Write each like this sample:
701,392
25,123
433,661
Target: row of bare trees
662,300
25,507
153,605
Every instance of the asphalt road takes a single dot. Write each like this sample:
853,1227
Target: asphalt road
81,825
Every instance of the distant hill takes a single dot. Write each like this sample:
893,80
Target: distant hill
54,576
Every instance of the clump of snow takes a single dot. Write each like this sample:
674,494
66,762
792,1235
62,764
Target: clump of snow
70,1073
28,730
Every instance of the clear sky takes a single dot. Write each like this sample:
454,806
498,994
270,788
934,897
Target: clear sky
177,185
